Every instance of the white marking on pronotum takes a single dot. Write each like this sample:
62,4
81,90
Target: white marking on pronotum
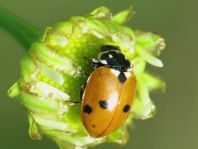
115,72
127,74
94,60
103,62
110,56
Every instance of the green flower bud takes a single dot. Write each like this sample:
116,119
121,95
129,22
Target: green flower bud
52,73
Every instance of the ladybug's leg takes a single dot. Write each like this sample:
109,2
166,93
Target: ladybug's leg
82,88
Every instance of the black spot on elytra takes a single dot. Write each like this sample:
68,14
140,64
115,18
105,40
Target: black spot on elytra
87,109
93,126
103,104
126,108
122,78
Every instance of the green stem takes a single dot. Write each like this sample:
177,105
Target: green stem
21,30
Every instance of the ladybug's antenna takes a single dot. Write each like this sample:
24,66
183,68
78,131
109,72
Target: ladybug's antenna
132,66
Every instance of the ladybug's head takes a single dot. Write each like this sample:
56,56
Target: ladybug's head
112,57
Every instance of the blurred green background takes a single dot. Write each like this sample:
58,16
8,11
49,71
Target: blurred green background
176,124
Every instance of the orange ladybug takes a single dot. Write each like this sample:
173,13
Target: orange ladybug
108,94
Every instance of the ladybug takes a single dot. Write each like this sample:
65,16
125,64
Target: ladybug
108,94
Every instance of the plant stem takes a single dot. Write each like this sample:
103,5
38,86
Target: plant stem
21,30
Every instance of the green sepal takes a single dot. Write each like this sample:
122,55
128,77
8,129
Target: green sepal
33,129
150,42
154,83
101,12
148,57
67,145
123,16
143,107
120,136
14,91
